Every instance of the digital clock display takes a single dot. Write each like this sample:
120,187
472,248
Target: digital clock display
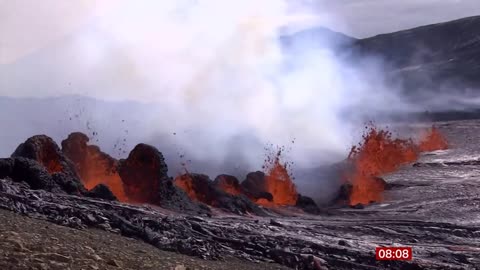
393,253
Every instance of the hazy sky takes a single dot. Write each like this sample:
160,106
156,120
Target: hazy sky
34,31
26,25
195,58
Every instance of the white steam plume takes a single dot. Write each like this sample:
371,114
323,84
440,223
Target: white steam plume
217,68
215,73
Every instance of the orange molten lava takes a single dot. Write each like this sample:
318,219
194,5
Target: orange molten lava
53,166
50,160
185,182
198,188
98,171
228,186
279,184
377,154
264,202
433,140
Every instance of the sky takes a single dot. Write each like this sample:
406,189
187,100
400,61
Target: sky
27,25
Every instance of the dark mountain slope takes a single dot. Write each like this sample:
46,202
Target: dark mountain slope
442,57
436,66
317,37
426,44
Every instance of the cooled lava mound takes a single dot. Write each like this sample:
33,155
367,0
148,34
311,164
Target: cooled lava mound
83,169
142,173
40,163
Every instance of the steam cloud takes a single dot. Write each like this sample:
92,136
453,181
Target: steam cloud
209,79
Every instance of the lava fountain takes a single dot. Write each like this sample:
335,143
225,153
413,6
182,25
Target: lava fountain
279,183
379,153
94,166
433,140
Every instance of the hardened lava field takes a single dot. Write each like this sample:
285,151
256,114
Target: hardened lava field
431,205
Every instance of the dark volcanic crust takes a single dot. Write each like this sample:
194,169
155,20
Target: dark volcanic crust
142,173
28,243
345,239
433,209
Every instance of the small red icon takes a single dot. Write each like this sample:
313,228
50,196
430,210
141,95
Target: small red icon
393,253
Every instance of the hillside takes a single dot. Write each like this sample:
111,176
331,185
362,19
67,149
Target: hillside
445,56
436,66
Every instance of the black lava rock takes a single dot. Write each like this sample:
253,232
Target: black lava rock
45,152
28,171
142,172
172,197
254,186
101,191
203,189
307,204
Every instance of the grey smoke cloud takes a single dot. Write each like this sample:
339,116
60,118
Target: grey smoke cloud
215,67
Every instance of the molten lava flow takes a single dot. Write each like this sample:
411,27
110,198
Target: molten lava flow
279,184
433,140
48,155
49,158
44,150
185,182
377,154
96,172
93,166
52,166
228,184
264,202
198,187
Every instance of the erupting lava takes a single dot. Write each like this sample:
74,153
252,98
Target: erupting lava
94,167
270,189
198,187
138,178
380,153
433,140
53,166
44,150
228,184
97,173
377,154
279,184
185,182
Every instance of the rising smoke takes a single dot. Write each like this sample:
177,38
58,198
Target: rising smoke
208,82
